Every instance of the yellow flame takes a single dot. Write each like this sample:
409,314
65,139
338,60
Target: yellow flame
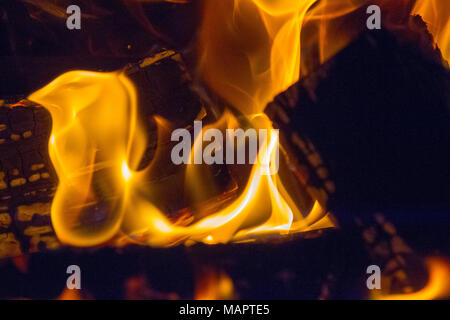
264,207
69,294
437,286
94,124
249,51
126,171
249,55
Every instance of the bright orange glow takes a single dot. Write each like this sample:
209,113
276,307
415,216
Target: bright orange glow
438,286
249,51
69,294
214,285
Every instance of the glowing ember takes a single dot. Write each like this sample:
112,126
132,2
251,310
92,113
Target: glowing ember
68,294
437,286
214,285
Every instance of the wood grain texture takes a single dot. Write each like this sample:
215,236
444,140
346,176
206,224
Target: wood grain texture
27,179
378,115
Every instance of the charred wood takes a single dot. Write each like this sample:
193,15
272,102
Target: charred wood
374,120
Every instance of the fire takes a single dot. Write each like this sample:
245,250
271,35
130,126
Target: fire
214,285
249,51
258,54
437,286
96,153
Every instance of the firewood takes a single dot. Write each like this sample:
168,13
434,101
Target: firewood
27,179
374,120
378,115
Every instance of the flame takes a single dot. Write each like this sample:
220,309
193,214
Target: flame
214,285
96,152
249,51
258,54
90,148
437,286
126,173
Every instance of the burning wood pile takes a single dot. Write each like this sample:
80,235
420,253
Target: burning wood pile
353,170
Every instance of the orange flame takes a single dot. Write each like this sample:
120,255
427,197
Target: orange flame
88,147
250,50
437,286
214,285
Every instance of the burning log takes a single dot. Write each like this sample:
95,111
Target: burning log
378,114
27,178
